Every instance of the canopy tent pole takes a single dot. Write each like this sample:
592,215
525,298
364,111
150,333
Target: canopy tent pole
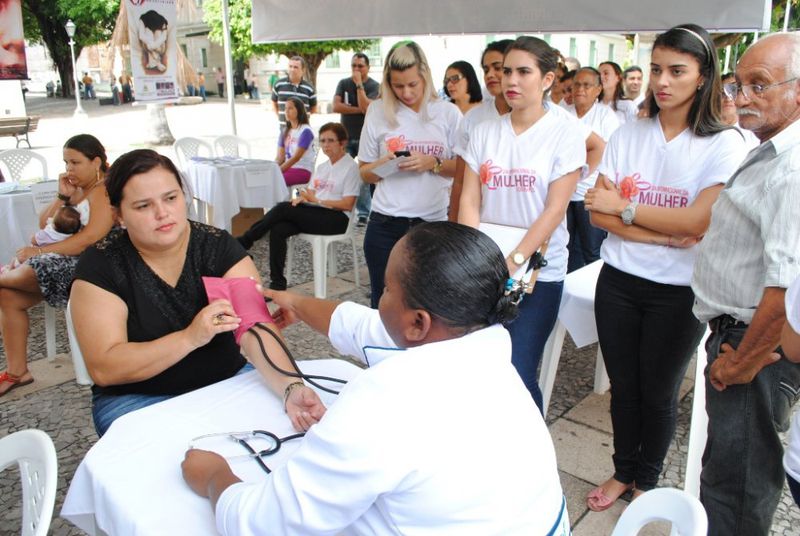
226,35
786,15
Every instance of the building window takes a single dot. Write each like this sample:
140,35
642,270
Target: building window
204,57
592,52
573,47
332,60
185,53
374,54
547,38
611,52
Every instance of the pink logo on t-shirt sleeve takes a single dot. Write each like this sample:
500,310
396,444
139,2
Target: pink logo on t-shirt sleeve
397,143
488,171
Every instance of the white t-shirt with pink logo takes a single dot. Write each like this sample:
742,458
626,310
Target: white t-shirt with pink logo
332,182
302,136
517,170
671,174
603,121
409,194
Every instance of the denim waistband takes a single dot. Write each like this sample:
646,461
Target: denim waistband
724,323
377,217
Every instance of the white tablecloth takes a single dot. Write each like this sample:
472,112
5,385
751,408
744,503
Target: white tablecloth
228,185
18,222
130,481
577,304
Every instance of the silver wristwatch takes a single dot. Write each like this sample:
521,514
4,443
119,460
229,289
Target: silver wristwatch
628,213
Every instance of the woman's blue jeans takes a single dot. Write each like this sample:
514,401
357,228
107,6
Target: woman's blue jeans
108,408
535,320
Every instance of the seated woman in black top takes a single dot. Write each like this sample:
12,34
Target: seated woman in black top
140,309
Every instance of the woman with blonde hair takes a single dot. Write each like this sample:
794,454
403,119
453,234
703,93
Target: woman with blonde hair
409,120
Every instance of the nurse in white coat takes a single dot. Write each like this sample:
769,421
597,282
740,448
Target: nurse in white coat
428,439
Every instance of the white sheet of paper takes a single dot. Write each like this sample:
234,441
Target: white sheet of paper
390,168
507,239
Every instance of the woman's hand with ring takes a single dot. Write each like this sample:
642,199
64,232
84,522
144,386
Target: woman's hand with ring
217,317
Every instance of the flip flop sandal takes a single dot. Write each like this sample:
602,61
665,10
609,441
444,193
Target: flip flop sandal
598,501
15,382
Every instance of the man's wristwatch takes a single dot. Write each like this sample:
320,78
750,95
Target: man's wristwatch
359,86
628,213
437,167
518,258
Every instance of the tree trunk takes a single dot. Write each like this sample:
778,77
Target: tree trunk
56,40
160,133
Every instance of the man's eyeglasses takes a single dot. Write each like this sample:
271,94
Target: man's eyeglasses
453,79
749,91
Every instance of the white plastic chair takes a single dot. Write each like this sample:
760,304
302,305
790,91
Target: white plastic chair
229,145
81,374
16,161
34,452
687,515
319,255
186,148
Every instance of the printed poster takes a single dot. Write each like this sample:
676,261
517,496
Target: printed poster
13,65
154,56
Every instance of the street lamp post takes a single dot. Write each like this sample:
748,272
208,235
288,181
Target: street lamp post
70,27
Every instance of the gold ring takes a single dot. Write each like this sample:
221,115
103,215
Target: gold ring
218,319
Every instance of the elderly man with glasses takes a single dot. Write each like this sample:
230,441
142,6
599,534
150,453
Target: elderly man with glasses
749,256
352,98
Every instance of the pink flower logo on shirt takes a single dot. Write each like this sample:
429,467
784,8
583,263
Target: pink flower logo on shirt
628,187
397,143
487,171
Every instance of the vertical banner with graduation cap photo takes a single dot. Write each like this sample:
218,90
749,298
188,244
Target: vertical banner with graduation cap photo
154,57
12,41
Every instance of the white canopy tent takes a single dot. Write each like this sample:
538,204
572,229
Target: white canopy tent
307,20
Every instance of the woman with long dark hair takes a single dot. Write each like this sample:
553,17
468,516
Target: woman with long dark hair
658,180
295,144
613,94
436,344
461,86
521,170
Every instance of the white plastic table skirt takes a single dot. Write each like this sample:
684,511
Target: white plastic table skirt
223,188
130,481
18,223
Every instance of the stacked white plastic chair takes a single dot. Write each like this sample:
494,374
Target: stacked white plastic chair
33,451
16,161
320,258
684,512
81,374
229,145
188,147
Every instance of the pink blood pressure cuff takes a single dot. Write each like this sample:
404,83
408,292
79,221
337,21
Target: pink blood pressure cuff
247,301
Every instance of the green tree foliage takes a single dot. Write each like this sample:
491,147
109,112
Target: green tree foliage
44,22
242,46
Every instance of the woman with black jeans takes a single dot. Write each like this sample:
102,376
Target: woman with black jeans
323,208
658,179
409,119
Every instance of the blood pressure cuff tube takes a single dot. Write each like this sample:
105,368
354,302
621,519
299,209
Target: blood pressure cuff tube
247,301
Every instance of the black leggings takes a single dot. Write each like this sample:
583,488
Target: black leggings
647,334
283,221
